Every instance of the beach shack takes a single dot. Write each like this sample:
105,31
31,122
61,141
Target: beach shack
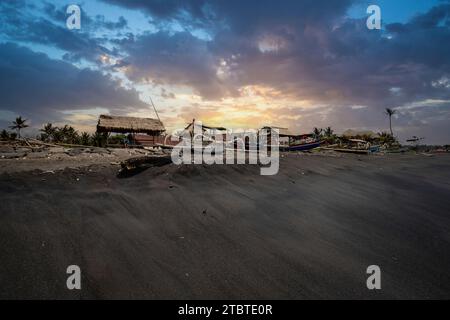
283,134
207,131
205,128
289,141
142,131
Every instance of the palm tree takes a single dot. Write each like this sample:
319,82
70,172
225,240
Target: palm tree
72,135
328,132
386,138
390,112
98,139
329,135
19,124
48,132
4,135
64,131
68,134
58,135
85,138
317,132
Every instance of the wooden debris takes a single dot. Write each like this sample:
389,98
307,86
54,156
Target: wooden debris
135,165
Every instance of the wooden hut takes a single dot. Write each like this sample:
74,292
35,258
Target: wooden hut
119,124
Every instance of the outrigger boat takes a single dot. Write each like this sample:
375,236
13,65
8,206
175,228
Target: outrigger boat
303,142
285,142
302,146
294,142
357,146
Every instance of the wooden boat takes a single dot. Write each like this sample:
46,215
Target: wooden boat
301,146
371,149
302,142
357,151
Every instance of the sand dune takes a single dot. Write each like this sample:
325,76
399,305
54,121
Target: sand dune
226,232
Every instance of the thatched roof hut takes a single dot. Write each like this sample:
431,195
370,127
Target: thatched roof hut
120,124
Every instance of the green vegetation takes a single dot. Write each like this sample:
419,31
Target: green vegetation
67,134
329,136
386,138
325,135
5,135
390,113
99,139
48,132
317,132
85,139
117,139
19,124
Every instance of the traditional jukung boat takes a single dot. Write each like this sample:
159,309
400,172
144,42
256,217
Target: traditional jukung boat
293,142
357,146
303,146
302,142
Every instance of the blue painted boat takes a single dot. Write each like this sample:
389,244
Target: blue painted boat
303,146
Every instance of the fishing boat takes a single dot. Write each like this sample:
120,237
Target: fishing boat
302,146
356,146
302,142
289,141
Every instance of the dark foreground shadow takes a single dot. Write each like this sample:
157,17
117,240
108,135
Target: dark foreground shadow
134,166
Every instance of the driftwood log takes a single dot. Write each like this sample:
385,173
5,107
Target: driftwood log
135,165
58,144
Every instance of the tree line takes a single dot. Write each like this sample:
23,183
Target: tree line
60,134
328,136
67,134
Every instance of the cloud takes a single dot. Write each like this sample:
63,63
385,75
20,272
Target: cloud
303,48
239,16
179,59
25,25
33,85
92,23
303,63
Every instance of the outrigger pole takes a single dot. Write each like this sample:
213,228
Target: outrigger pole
154,108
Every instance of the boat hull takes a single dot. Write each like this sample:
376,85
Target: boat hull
303,147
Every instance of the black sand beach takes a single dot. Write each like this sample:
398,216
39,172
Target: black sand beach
225,232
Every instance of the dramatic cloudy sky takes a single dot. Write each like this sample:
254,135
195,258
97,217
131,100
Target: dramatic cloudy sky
241,64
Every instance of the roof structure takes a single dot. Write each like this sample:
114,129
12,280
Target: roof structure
122,124
285,132
204,127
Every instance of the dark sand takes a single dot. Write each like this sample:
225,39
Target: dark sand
219,232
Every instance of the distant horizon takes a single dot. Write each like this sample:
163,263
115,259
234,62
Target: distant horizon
36,132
